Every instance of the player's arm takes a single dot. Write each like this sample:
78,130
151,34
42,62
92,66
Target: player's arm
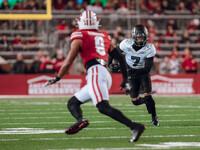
75,45
147,67
116,54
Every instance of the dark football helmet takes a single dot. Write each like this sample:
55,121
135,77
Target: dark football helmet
140,35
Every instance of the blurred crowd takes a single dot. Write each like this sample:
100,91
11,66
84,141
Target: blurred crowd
179,60
98,6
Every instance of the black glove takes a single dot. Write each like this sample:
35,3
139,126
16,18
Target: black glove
127,88
114,67
52,81
123,84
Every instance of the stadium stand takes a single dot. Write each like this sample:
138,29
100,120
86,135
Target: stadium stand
168,22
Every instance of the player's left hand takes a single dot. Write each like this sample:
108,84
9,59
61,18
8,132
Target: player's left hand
127,88
123,84
52,81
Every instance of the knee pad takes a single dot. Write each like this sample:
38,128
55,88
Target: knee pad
73,102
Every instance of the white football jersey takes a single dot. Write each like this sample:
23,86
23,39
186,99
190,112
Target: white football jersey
136,59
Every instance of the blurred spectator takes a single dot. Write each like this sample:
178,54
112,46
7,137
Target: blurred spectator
115,4
176,46
19,26
73,26
5,5
171,22
59,61
109,6
33,40
119,35
70,5
164,66
47,66
41,55
44,5
151,5
4,25
197,7
165,5
19,67
175,53
17,40
18,6
174,65
142,5
185,37
158,10
132,5
4,43
96,7
122,9
187,53
170,32
32,5
35,66
157,46
152,30
189,64
58,4
181,6
193,25
62,26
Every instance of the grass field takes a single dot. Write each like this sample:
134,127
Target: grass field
39,124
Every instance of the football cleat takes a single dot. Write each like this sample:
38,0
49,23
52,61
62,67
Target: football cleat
136,133
79,125
155,121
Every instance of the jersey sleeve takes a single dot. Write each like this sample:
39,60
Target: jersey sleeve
151,51
76,35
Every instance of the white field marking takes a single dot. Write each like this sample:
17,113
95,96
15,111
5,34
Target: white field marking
21,118
124,148
96,112
43,131
167,145
7,140
96,122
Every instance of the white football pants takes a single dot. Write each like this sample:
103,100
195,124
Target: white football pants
99,82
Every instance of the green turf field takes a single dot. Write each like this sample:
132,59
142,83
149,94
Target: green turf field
39,124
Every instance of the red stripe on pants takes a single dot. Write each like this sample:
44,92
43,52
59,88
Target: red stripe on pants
98,85
93,85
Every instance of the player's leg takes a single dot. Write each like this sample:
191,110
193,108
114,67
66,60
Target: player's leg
75,109
150,103
101,82
134,93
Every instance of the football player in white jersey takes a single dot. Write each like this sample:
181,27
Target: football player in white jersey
139,56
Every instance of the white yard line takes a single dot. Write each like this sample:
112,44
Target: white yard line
196,120
21,118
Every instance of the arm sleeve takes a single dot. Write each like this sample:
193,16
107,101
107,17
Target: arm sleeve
116,54
147,68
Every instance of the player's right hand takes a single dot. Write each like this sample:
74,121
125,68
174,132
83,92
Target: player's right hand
52,81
